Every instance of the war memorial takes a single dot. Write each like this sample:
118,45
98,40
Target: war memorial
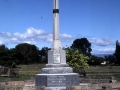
57,74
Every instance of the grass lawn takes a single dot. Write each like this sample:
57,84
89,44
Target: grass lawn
28,72
103,69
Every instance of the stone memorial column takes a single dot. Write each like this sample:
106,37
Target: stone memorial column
57,74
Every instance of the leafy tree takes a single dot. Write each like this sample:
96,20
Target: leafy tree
83,44
27,53
6,58
3,54
110,59
117,52
44,54
76,58
13,55
95,60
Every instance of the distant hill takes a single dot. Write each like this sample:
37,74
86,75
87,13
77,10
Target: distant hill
101,55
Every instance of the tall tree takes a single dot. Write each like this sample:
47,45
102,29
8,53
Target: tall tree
27,53
83,44
95,60
44,54
3,55
117,52
6,57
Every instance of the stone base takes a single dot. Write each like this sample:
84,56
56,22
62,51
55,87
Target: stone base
57,70
33,87
57,80
55,88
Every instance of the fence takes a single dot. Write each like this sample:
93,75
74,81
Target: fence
6,71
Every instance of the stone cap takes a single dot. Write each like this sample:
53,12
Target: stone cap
56,65
57,70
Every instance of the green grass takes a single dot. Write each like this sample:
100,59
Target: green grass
18,78
28,72
103,69
117,76
99,76
31,69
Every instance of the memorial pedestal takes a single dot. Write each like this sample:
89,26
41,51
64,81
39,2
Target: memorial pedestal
57,77
57,80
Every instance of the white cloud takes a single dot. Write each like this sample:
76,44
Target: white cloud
102,41
66,38
104,51
35,36
31,36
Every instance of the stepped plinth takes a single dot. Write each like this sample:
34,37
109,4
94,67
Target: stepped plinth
57,76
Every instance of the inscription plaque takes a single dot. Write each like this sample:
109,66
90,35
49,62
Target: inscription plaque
56,55
56,81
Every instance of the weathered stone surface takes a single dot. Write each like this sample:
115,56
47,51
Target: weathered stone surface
57,58
55,88
34,88
57,70
57,80
56,65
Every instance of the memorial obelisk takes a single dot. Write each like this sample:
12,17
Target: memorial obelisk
56,55
57,74
56,32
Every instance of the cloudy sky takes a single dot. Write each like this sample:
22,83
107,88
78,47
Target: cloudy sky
31,21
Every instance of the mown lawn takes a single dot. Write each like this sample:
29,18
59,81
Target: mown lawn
103,69
28,72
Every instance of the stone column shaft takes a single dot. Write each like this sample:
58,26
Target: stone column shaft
56,32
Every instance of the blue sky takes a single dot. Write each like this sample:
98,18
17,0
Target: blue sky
31,21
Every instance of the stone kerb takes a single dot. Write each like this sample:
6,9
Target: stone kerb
34,88
15,83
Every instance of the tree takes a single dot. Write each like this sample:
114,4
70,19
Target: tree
110,59
27,53
44,54
13,56
3,55
95,60
117,52
6,57
83,44
76,58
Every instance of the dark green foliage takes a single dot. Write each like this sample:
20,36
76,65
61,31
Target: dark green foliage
82,44
6,56
23,53
95,60
27,53
110,59
117,52
44,54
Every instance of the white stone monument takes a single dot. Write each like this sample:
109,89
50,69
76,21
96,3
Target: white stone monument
57,74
